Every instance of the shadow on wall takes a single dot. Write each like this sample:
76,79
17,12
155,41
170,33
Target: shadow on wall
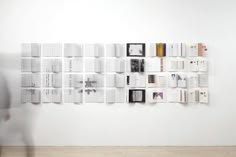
16,119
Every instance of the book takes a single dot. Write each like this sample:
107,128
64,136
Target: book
115,80
73,96
52,65
203,80
197,49
94,65
73,50
115,96
30,65
198,64
94,95
135,80
94,50
94,80
52,50
30,50
115,65
115,50
52,96
136,49
176,50
156,95
193,80
31,96
175,64
73,80
136,96
52,80
177,80
160,49
156,80
193,95
203,95
73,65
155,65
31,80
177,95
136,65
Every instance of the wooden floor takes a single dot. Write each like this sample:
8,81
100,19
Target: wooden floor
123,152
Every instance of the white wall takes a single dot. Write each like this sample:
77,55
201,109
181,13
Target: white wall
109,21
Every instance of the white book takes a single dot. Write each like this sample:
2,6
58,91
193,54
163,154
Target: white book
193,95
172,49
52,65
73,80
30,50
47,95
115,50
193,80
110,80
73,50
203,80
203,64
136,80
35,65
94,65
26,65
73,65
182,81
120,95
182,50
69,96
52,80
94,80
35,80
193,64
173,80
173,95
35,96
152,50
120,80
78,96
111,96
176,64
26,95
73,96
26,80
155,64
203,95
98,66
52,50
47,80
158,80
193,50
94,50
57,80
56,95
177,95
183,94
57,66
120,66
94,95
115,65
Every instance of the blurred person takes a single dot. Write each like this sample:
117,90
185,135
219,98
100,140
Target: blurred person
15,118
4,103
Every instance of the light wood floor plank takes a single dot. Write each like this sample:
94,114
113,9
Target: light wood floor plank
123,152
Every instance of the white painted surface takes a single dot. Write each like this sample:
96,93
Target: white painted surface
87,21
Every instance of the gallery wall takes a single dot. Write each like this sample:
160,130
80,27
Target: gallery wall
121,21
